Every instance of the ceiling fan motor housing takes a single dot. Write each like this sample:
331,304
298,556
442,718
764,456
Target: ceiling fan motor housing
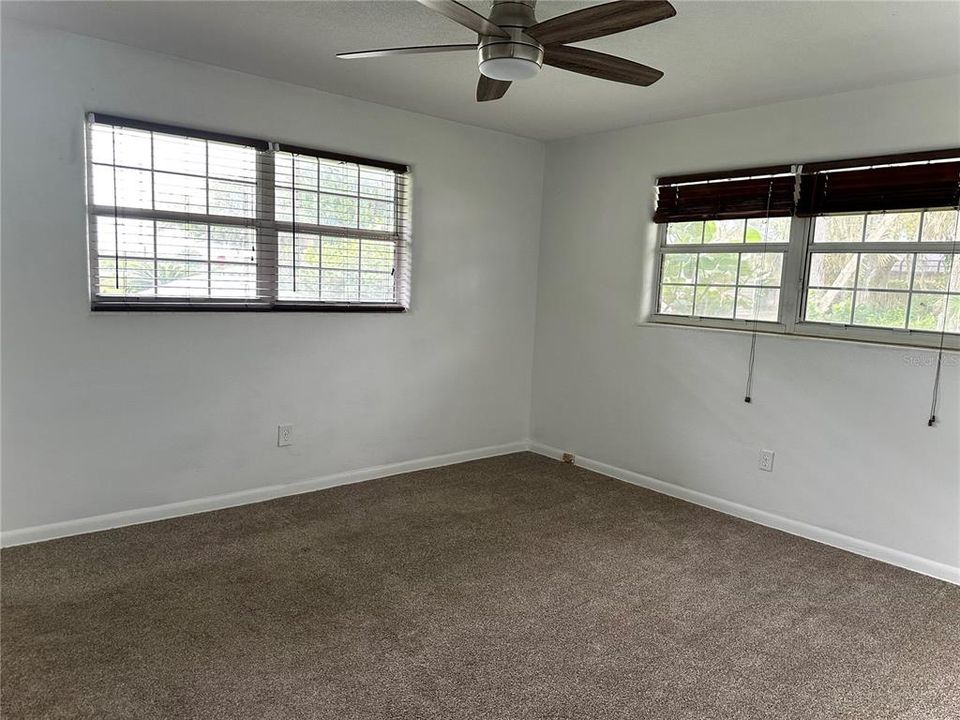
519,57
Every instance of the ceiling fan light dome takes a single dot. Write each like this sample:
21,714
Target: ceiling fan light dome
509,68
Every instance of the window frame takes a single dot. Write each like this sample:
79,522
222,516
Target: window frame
794,282
663,249
263,221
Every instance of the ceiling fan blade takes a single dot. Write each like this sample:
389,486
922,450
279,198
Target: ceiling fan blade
600,65
465,16
416,50
489,89
600,20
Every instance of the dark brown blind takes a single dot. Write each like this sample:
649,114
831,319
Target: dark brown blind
913,181
747,193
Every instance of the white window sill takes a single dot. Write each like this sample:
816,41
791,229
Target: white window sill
911,339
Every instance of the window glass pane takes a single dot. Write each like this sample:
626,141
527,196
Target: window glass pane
134,237
182,240
893,227
939,226
339,285
182,279
133,189
377,183
306,210
283,204
829,306
102,185
932,271
180,193
342,253
718,269
128,276
308,250
107,280
723,231
338,177
179,154
838,228
760,268
101,144
880,309
833,269
758,303
233,244
376,287
233,198
305,172
132,147
926,311
137,276
715,302
676,300
772,230
303,285
232,162
684,233
307,281
285,248
376,215
233,280
338,211
282,169
953,314
376,256
679,268
889,271
106,234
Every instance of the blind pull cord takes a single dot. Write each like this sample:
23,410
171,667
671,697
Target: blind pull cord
932,421
748,394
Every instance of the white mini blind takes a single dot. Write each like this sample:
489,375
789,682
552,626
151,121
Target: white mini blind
187,219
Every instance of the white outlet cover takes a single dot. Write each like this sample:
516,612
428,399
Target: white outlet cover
766,460
284,435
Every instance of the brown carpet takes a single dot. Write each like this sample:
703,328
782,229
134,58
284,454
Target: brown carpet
513,587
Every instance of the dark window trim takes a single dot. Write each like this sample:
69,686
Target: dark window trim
136,124
259,144
342,157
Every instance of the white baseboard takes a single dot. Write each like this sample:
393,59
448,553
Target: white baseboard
96,523
922,565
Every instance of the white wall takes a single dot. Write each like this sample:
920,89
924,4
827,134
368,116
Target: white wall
110,411
847,421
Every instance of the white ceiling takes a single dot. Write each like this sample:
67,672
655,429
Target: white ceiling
716,55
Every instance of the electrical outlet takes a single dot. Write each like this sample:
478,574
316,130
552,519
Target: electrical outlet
568,458
766,460
284,435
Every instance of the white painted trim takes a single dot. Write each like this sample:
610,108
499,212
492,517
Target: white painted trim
96,523
918,564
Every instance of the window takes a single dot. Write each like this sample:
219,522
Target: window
884,270
724,268
724,244
188,219
863,249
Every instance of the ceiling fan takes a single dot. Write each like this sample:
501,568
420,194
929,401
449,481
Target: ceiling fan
514,46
